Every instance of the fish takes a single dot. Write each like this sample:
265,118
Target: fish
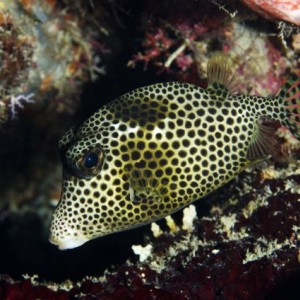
158,148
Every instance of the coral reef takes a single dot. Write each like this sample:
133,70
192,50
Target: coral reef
179,42
244,243
46,54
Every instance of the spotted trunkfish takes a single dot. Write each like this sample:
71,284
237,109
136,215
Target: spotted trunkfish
158,148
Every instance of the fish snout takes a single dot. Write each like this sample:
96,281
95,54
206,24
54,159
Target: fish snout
69,239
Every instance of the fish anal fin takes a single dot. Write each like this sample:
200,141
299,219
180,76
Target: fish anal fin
264,143
220,73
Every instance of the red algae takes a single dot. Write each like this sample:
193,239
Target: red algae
180,36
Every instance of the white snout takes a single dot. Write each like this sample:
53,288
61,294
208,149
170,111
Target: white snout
71,240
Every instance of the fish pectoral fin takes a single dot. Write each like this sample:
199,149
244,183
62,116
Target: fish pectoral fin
220,75
145,195
131,193
134,194
144,187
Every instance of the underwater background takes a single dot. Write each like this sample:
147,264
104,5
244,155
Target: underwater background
62,60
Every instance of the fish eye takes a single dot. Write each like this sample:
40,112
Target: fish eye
89,164
91,160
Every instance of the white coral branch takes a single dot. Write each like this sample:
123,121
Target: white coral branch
16,102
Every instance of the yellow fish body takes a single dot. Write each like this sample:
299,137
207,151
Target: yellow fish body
158,148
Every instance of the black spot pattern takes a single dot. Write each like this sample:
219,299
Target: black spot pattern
163,146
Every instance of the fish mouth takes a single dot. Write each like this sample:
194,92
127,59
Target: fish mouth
68,242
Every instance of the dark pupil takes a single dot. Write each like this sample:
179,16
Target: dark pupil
91,160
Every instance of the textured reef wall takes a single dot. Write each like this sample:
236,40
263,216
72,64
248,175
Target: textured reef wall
60,60
48,50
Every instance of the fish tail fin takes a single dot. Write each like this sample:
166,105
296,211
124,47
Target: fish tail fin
290,97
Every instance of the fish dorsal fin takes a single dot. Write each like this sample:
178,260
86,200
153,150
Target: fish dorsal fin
220,73
263,144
